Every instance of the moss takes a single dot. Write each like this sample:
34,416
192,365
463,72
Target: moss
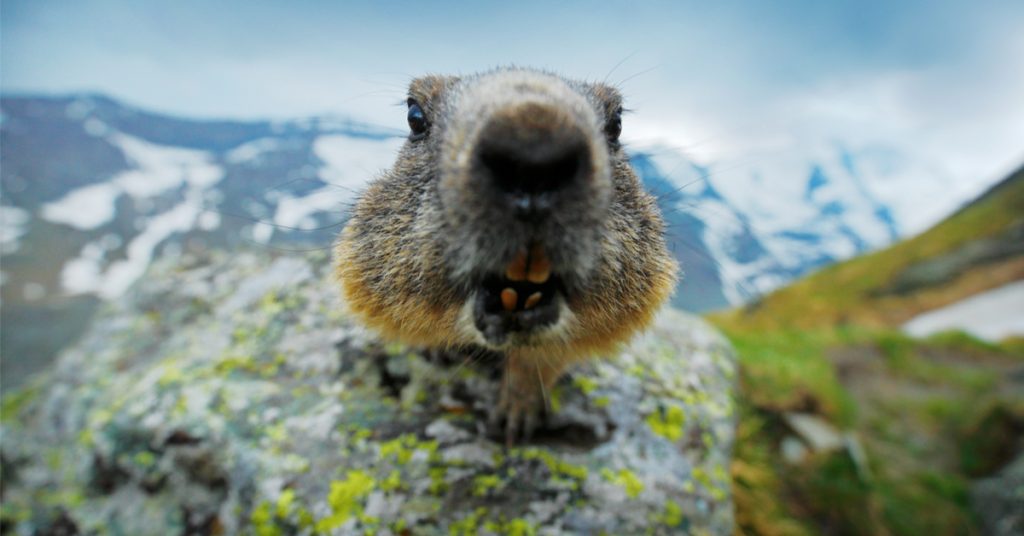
988,438
668,422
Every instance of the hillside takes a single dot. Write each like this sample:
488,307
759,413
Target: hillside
922,434
980,247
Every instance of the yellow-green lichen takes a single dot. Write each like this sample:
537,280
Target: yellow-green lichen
627,479
716,484
235,362
483,484
403,447
262,520
276,432
469,525
15,401
392,482
668,422
345,499
285,502
556,466
518,527
171,373
144,458
438,484
672,516
295,463
585,384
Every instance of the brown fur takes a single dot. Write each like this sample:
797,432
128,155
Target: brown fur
406,270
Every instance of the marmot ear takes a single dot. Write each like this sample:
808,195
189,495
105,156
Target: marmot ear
418,123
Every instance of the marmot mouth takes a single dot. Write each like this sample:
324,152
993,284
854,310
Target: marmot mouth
522,299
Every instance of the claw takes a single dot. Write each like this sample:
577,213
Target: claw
517,414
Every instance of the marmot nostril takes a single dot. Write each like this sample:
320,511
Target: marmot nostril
522,173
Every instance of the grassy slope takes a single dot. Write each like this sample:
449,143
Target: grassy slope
930,414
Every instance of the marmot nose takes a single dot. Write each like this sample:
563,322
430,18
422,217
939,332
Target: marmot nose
532,156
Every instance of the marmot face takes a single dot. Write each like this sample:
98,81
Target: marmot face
511,220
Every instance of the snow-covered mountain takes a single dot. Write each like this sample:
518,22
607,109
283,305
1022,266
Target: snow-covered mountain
748,231
93,191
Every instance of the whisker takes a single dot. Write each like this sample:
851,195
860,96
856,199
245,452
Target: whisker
543,388
285,250
641,73
272,224
617,65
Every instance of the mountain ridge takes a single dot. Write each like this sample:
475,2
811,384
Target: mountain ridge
94,190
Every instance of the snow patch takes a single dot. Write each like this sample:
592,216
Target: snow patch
348,164
157,169
993,315
13,226
84,208
86,273
252,151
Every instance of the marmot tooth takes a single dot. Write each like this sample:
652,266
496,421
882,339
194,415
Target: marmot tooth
516,270
532,300
540,266
509,298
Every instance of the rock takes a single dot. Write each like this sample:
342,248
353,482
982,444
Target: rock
999,500
793,450
234,395
817,433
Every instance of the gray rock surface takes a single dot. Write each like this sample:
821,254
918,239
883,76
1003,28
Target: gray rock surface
999,500
231,394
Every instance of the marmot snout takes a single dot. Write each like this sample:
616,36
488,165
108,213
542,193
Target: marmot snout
511,220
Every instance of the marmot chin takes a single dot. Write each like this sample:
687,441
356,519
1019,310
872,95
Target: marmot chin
512,221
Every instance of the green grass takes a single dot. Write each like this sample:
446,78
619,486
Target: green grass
788,371
935,422
930,414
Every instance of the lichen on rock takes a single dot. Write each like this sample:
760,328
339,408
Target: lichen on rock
233,395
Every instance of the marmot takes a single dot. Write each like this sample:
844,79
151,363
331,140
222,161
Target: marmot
513,221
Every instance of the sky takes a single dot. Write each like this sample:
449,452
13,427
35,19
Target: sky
723,81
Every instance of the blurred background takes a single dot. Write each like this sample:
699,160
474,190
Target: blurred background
780,138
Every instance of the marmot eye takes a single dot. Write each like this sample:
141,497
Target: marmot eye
417,119
613,127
